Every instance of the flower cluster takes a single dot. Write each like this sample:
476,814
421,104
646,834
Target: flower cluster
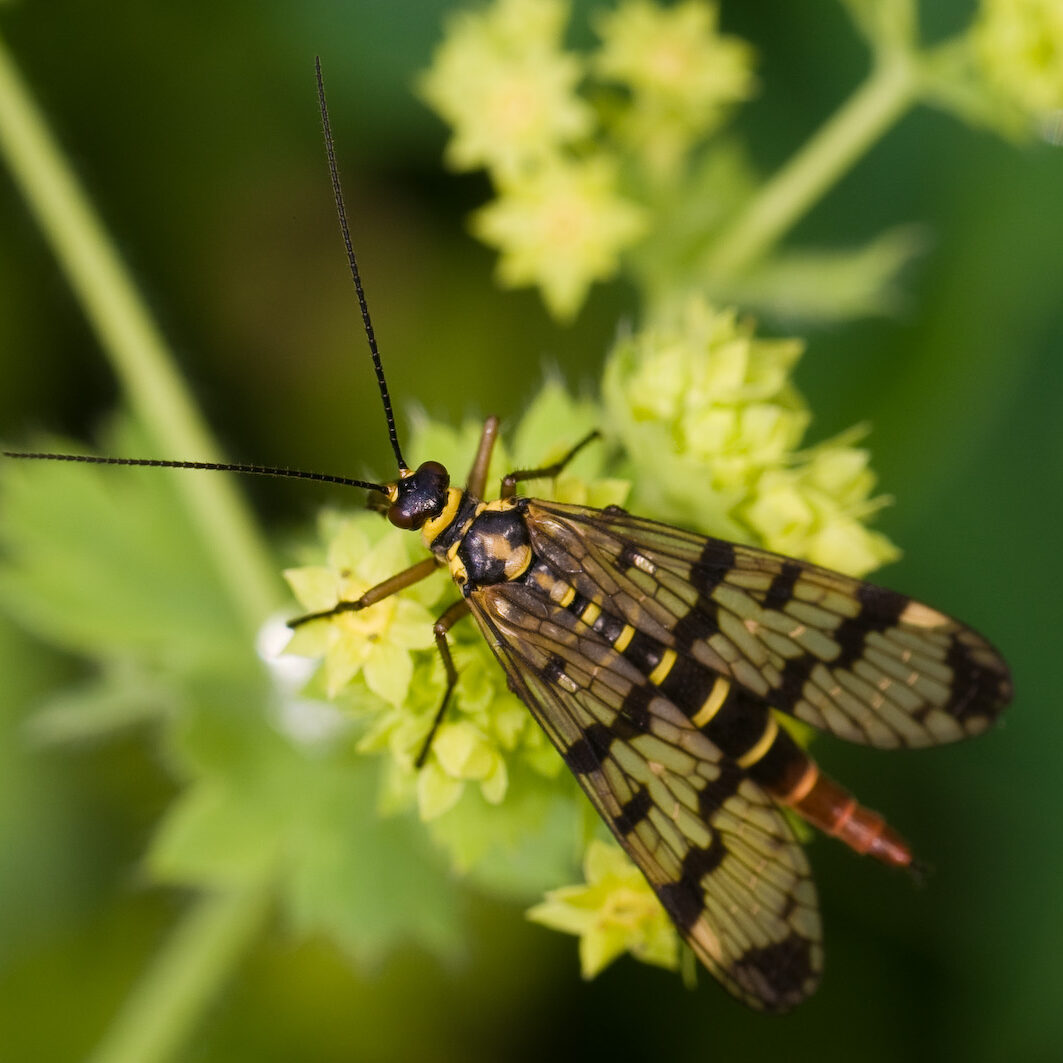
713,428
503,83
1019,50
612,912
560,227
384,659
573,180
682,74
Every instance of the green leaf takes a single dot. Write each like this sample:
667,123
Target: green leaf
521,847
124,695
306,815
368,882
101,559
831,286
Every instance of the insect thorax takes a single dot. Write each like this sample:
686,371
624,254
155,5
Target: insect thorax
483,542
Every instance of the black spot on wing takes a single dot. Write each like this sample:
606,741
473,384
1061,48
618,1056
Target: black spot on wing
634,811
781,589
698,625
795,673
712,566
716,791
781,974
880,609
634,715
977,691
684,900
588,752
700,862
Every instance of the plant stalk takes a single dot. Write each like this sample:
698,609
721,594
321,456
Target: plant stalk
889,91
186,976
131,341
202,952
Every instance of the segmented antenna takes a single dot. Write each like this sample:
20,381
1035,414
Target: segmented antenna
352,261
269,470
213,466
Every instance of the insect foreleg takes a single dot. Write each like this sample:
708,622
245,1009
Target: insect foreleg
509,484
458,610
400,581
478,473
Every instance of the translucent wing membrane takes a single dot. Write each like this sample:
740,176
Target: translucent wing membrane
714,846
866,664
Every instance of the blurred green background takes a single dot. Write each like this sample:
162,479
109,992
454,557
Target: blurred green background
194,127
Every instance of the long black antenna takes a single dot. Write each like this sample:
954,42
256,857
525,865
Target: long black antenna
270,470
337,193
213,466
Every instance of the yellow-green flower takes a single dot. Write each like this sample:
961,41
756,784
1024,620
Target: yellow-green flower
713,428
503,83
683,74
485,724
390,645
816,510
614,912
561,228
702,407
1019,48
377,642
723,393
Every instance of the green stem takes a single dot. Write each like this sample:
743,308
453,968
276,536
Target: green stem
889,91
144,366
155,1019
203,950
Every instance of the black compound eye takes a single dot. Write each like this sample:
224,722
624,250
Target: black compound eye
401,517
421,496
432,473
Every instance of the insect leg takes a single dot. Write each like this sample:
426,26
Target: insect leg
509,484
400,581
478,473
458,610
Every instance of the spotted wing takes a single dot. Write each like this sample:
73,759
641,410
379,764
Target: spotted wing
867,664
713,845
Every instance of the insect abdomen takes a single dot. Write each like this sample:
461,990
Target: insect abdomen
794,779
744,728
